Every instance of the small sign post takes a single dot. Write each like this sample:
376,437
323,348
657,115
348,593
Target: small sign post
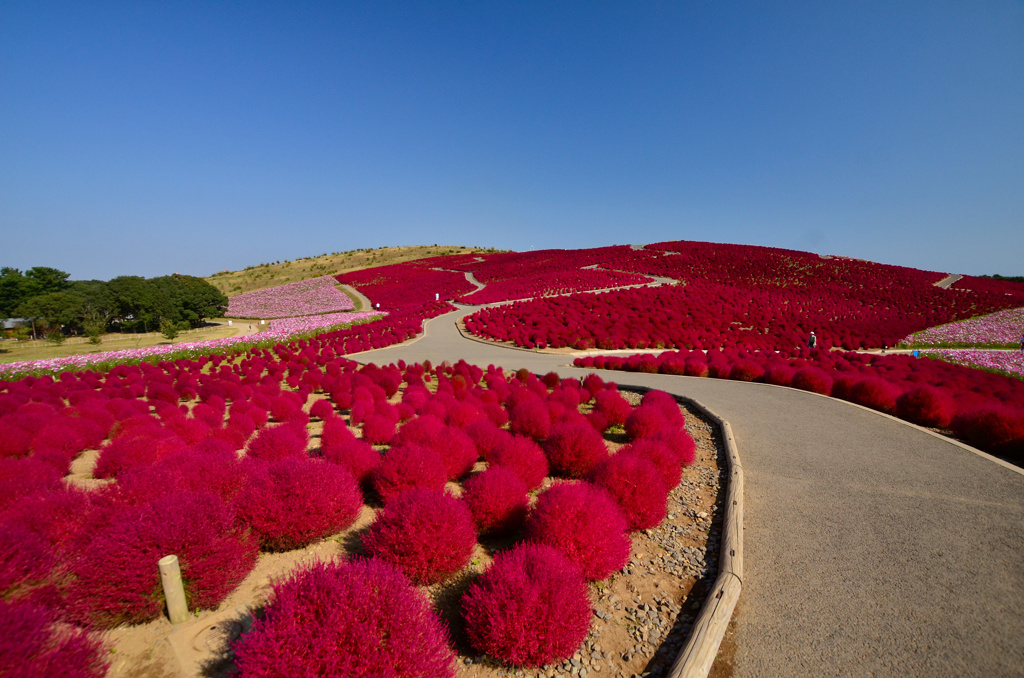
174,590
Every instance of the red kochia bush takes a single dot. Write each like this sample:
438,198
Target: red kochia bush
875,393
202,468
644,422
33,644
779,374
428,534
926,406
530,418
636,486
358,456
667,462
58,514
529,609
812,379
993,429
295,501
458,452
584,523
746,370
485,435
667,405
574,448
378,429
322,409
359,619
497,499
277,442
522,456
137,448
679,442
696,368
115,577
613,406
26,561
409,466
14,440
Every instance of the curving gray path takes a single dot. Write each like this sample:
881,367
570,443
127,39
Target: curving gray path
872,547
948,281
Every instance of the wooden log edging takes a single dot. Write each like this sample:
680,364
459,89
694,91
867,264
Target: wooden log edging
698,655
696,658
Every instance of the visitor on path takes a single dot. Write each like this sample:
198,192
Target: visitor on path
1022,342
812,341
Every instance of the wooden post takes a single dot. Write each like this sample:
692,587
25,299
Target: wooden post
174,590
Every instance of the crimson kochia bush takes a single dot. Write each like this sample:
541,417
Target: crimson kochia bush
428,534
529,609
359,619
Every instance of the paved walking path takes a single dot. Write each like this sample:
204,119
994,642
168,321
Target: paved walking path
871,547
364,302
948,281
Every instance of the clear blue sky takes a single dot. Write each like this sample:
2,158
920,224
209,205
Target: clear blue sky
149,138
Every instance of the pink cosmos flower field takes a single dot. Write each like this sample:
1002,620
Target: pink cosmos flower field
995,329
1006,362
279,330
306,297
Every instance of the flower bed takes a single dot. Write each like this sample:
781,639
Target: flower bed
735,296
409,284
305,297
1004,328
985,409
522,275
154,418
1010,363
279,330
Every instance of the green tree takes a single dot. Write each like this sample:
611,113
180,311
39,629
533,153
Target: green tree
187,299
55,309
133,302
45,280
13,290
98,306
169,329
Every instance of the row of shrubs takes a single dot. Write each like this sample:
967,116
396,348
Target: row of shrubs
169,437
984,409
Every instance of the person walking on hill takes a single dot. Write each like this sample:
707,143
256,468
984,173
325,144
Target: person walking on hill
1022,342
812,341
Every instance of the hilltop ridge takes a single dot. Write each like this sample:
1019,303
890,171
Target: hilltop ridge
271,274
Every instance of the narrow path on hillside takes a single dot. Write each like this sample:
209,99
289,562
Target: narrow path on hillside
871,547
948,281
473,281
362,302
656,281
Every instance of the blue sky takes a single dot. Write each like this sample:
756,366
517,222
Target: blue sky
149,138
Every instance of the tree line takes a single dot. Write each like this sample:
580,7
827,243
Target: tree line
127,303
